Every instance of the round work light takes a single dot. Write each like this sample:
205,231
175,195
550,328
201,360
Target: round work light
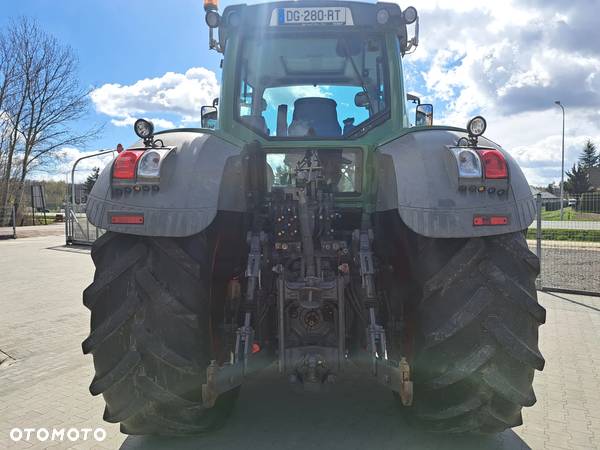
143,128
410,14
476,126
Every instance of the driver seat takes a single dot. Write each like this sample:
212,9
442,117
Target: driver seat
316,116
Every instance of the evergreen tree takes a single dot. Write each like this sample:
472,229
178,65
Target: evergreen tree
91,179
589,157
577,180
552,188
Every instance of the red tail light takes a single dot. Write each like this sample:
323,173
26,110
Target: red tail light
494,164
124,165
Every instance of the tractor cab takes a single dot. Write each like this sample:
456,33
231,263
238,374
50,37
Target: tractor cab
311,70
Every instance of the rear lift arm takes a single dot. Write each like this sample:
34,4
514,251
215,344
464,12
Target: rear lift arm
220,379
392,374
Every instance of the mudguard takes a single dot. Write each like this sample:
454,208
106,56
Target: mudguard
202,176
418,175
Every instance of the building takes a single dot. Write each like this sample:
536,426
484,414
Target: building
547,197
594,177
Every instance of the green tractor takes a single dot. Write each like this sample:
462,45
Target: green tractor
309,224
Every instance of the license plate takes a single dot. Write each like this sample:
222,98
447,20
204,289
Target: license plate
317,15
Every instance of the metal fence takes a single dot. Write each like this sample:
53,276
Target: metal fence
569,249
78,230
8,222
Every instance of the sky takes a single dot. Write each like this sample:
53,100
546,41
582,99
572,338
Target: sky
508,61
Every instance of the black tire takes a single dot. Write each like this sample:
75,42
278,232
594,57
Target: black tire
150,333
477,346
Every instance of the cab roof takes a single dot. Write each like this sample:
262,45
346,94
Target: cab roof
254,18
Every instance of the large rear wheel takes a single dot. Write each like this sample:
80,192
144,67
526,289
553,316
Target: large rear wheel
151,336
477,346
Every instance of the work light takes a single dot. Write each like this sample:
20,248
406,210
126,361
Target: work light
143,128
476,126
410,15
383,16
212,19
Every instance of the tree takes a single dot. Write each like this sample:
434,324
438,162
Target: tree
552,188
55,194
577,180
589,157
91,179
40,98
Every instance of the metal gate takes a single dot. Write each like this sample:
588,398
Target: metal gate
569,249
78,230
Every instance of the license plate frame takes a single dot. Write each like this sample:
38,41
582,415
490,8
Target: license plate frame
312,15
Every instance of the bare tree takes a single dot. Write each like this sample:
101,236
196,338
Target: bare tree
41,102
9,113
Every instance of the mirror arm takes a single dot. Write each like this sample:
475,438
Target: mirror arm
415,39
413,98
413,43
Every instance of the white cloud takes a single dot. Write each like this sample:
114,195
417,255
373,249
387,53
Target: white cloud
60,168
509,61
178,94
506,60
129,121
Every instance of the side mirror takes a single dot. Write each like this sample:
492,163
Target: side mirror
361,100
208,117
424,116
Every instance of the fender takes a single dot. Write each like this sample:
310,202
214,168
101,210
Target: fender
202,176
418,176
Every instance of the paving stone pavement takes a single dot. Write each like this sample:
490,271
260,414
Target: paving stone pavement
55,229
44,380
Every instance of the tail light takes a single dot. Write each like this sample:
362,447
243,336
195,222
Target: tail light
494,164
125,164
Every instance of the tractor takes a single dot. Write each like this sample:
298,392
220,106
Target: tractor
316,222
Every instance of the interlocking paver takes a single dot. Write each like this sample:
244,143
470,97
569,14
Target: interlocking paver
43,321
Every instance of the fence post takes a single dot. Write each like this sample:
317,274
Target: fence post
538,237
14,221
67,222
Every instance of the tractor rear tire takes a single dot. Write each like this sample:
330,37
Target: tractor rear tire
151,333
477,346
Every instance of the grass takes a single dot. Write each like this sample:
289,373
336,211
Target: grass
27,219
570,214
553,234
